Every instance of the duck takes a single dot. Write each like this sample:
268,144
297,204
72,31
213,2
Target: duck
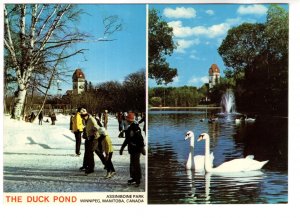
245,119
211,120
195,162
236,165
249,120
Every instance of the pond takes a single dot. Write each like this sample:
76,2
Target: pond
170,183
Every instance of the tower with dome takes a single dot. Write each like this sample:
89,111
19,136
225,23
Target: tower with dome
214,75
78,82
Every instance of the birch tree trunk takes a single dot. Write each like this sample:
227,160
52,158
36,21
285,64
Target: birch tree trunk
19,104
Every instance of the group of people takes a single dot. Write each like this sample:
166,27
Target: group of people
32,116
121,117
97,139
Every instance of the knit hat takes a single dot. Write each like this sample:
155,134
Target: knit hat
83,111
130,116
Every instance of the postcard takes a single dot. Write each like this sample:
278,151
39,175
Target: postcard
127,106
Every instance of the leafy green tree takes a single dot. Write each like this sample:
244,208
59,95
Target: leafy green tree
155,101
257,59
161,44
186,96
241,45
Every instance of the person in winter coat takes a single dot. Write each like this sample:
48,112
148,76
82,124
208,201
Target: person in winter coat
32,117
106,146
135,142
53,118
91,141
41,116
105,119
120,120
77,129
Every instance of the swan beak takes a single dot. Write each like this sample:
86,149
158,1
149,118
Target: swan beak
200,138
187,135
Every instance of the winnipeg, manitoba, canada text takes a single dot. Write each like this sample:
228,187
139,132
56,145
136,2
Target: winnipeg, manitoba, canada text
117,198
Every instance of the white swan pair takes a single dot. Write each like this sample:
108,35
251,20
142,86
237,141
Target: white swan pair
195,162
205,163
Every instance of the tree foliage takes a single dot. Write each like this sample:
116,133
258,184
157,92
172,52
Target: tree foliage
257,59
185,96
130,95
160,45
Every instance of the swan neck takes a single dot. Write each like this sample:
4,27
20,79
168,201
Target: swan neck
207,161
192,141
191,155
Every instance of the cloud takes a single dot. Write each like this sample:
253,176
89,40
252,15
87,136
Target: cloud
234,21
185,44
179,12
210,12
176,79
193,56
252,9
211,32
218,30
198,80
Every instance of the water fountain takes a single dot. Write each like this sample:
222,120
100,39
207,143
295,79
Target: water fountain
228,102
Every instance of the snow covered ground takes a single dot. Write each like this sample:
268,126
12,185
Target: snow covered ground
41,158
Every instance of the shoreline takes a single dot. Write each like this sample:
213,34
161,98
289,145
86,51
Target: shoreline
196,107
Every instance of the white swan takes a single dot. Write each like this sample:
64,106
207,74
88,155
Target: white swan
195,162
237,165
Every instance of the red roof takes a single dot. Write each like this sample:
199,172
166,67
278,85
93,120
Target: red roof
213,69
78,74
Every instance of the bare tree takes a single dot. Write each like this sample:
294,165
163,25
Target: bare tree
36,38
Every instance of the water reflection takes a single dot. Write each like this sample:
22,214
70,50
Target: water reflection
170,183
223,188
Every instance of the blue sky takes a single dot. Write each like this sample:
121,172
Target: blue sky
199,30
107,61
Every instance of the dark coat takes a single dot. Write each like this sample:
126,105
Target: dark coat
41,116
134,139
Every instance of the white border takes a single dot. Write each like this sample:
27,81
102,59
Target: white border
244,211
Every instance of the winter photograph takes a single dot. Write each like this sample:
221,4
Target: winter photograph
218,104
74,101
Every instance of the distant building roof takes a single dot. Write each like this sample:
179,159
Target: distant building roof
213,69
78,74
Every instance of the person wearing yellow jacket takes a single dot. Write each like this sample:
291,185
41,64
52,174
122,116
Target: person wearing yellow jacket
107,147
77,128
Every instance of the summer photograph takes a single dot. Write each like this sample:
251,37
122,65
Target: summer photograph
218,104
